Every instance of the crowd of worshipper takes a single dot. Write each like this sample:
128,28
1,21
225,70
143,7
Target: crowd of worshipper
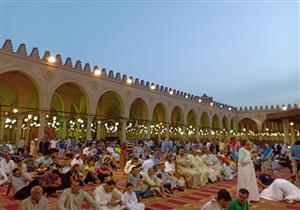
60,168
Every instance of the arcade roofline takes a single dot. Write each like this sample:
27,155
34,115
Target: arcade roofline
7,48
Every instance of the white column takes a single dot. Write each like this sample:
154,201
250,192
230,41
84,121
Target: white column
64,128
293,134
42,126
197,133
89,128
19,129
98,131
285,123
209,134
2,122
148,130
167,131
123,131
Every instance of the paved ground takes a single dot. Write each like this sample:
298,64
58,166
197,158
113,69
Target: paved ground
188,200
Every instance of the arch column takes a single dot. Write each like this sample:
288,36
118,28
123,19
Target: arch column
148,130
293,134
123,131
197,133
19,129
42,126
98,132
64,128
2,122
89,128
286,137
209,133
167,131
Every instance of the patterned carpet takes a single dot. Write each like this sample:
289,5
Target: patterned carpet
187,200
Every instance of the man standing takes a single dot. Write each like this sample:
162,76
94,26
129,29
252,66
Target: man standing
246,172
35,201
72,198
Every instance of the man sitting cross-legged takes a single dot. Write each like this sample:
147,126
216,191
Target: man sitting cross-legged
72,198
107,197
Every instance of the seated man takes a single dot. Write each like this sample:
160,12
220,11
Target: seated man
35,201
220,203
241,202
89,173
20,184
192,177
46,160
30,163
7,164
72,198
50,182
107,197
153,183
72,175
133,178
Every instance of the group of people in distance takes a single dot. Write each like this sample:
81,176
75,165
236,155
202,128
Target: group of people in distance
62,169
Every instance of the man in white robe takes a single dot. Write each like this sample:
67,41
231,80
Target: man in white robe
147,164
107,197
198,166
130,199
280,190
72,198
246,172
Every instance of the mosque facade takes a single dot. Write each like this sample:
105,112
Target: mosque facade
46,96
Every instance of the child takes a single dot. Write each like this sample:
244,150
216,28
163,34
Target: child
131,199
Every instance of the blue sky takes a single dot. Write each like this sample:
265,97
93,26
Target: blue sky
239,52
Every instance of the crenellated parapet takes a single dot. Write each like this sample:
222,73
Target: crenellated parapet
267,108
56,61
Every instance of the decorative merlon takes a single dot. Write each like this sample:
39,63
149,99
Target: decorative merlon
7,46
68,63
111,75
118,76
22,50
87,68
35,53
78,66
58,60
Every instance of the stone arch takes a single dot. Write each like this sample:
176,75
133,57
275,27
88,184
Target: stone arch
19,88
139,110
192,118
204,120
248,124
159,113
71,93
110,106
177,117
225,123
215,124
233,124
